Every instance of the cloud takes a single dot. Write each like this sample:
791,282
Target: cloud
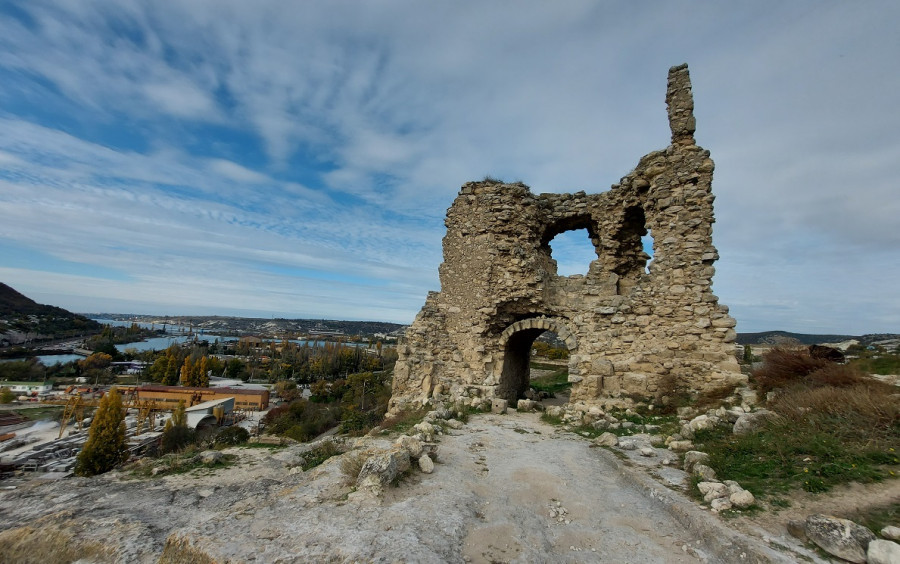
209,138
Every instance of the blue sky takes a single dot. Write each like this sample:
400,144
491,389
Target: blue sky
296,159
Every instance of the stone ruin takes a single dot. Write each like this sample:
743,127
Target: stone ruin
636,332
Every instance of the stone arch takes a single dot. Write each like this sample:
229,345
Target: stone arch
515,342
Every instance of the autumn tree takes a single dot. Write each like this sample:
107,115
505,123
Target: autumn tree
171,377
186,375
105,447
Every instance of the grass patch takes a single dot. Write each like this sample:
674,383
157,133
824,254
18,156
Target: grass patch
48,545
553,383
352,464
877,518
46,412
823,436
320,454
177,463
883,364
551,419
404,421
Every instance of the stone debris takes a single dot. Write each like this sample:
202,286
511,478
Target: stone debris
891,533
692,458
840,537
883,552
425,464
751,422
636,330
606,439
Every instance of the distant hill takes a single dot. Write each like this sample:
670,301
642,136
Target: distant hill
21,318
771,337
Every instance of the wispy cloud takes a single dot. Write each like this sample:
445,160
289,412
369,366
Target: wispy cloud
298,158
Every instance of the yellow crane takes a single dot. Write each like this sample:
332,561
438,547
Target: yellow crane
75,406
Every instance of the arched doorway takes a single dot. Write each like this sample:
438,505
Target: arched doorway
516,341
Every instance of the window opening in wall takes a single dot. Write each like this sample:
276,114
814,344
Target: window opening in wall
573,252
647,244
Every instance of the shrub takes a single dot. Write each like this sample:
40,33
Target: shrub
105,447
231,436
301,420
320,454
352,464
176,438
784,367
176,434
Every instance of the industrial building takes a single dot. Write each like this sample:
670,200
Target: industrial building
244,399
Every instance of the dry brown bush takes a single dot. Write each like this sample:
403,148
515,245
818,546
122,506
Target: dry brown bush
785,367
869,407
352,464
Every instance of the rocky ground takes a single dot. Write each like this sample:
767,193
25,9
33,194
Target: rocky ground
506,488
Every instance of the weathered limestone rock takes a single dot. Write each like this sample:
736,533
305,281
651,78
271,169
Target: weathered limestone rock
692,458
705,472
742,499
499,406
426,464
752,422
890,532
840,537
411,445
606,439
383,468
636,330
883,552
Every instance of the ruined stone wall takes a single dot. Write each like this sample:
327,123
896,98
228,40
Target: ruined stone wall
633,335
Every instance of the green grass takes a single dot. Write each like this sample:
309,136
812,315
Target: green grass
883,364
320,454
403,422
879,517
785,456
553,383
47,412
178,463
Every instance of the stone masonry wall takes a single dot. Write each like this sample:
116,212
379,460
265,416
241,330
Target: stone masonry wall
633,335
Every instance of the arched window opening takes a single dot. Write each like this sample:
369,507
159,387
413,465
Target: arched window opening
573,252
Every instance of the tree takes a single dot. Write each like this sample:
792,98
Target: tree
105,447
186,369
171,377
203,373
748,355
6,395
96,361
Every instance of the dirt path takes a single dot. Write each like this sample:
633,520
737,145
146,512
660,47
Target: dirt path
546,497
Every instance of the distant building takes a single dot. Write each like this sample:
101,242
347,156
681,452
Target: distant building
249,399
28,388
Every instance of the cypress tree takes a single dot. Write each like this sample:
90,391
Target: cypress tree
105,447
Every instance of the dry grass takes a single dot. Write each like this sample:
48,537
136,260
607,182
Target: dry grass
403,421
48,545
871,408
785,367
352,464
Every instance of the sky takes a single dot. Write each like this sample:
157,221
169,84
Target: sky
296,159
